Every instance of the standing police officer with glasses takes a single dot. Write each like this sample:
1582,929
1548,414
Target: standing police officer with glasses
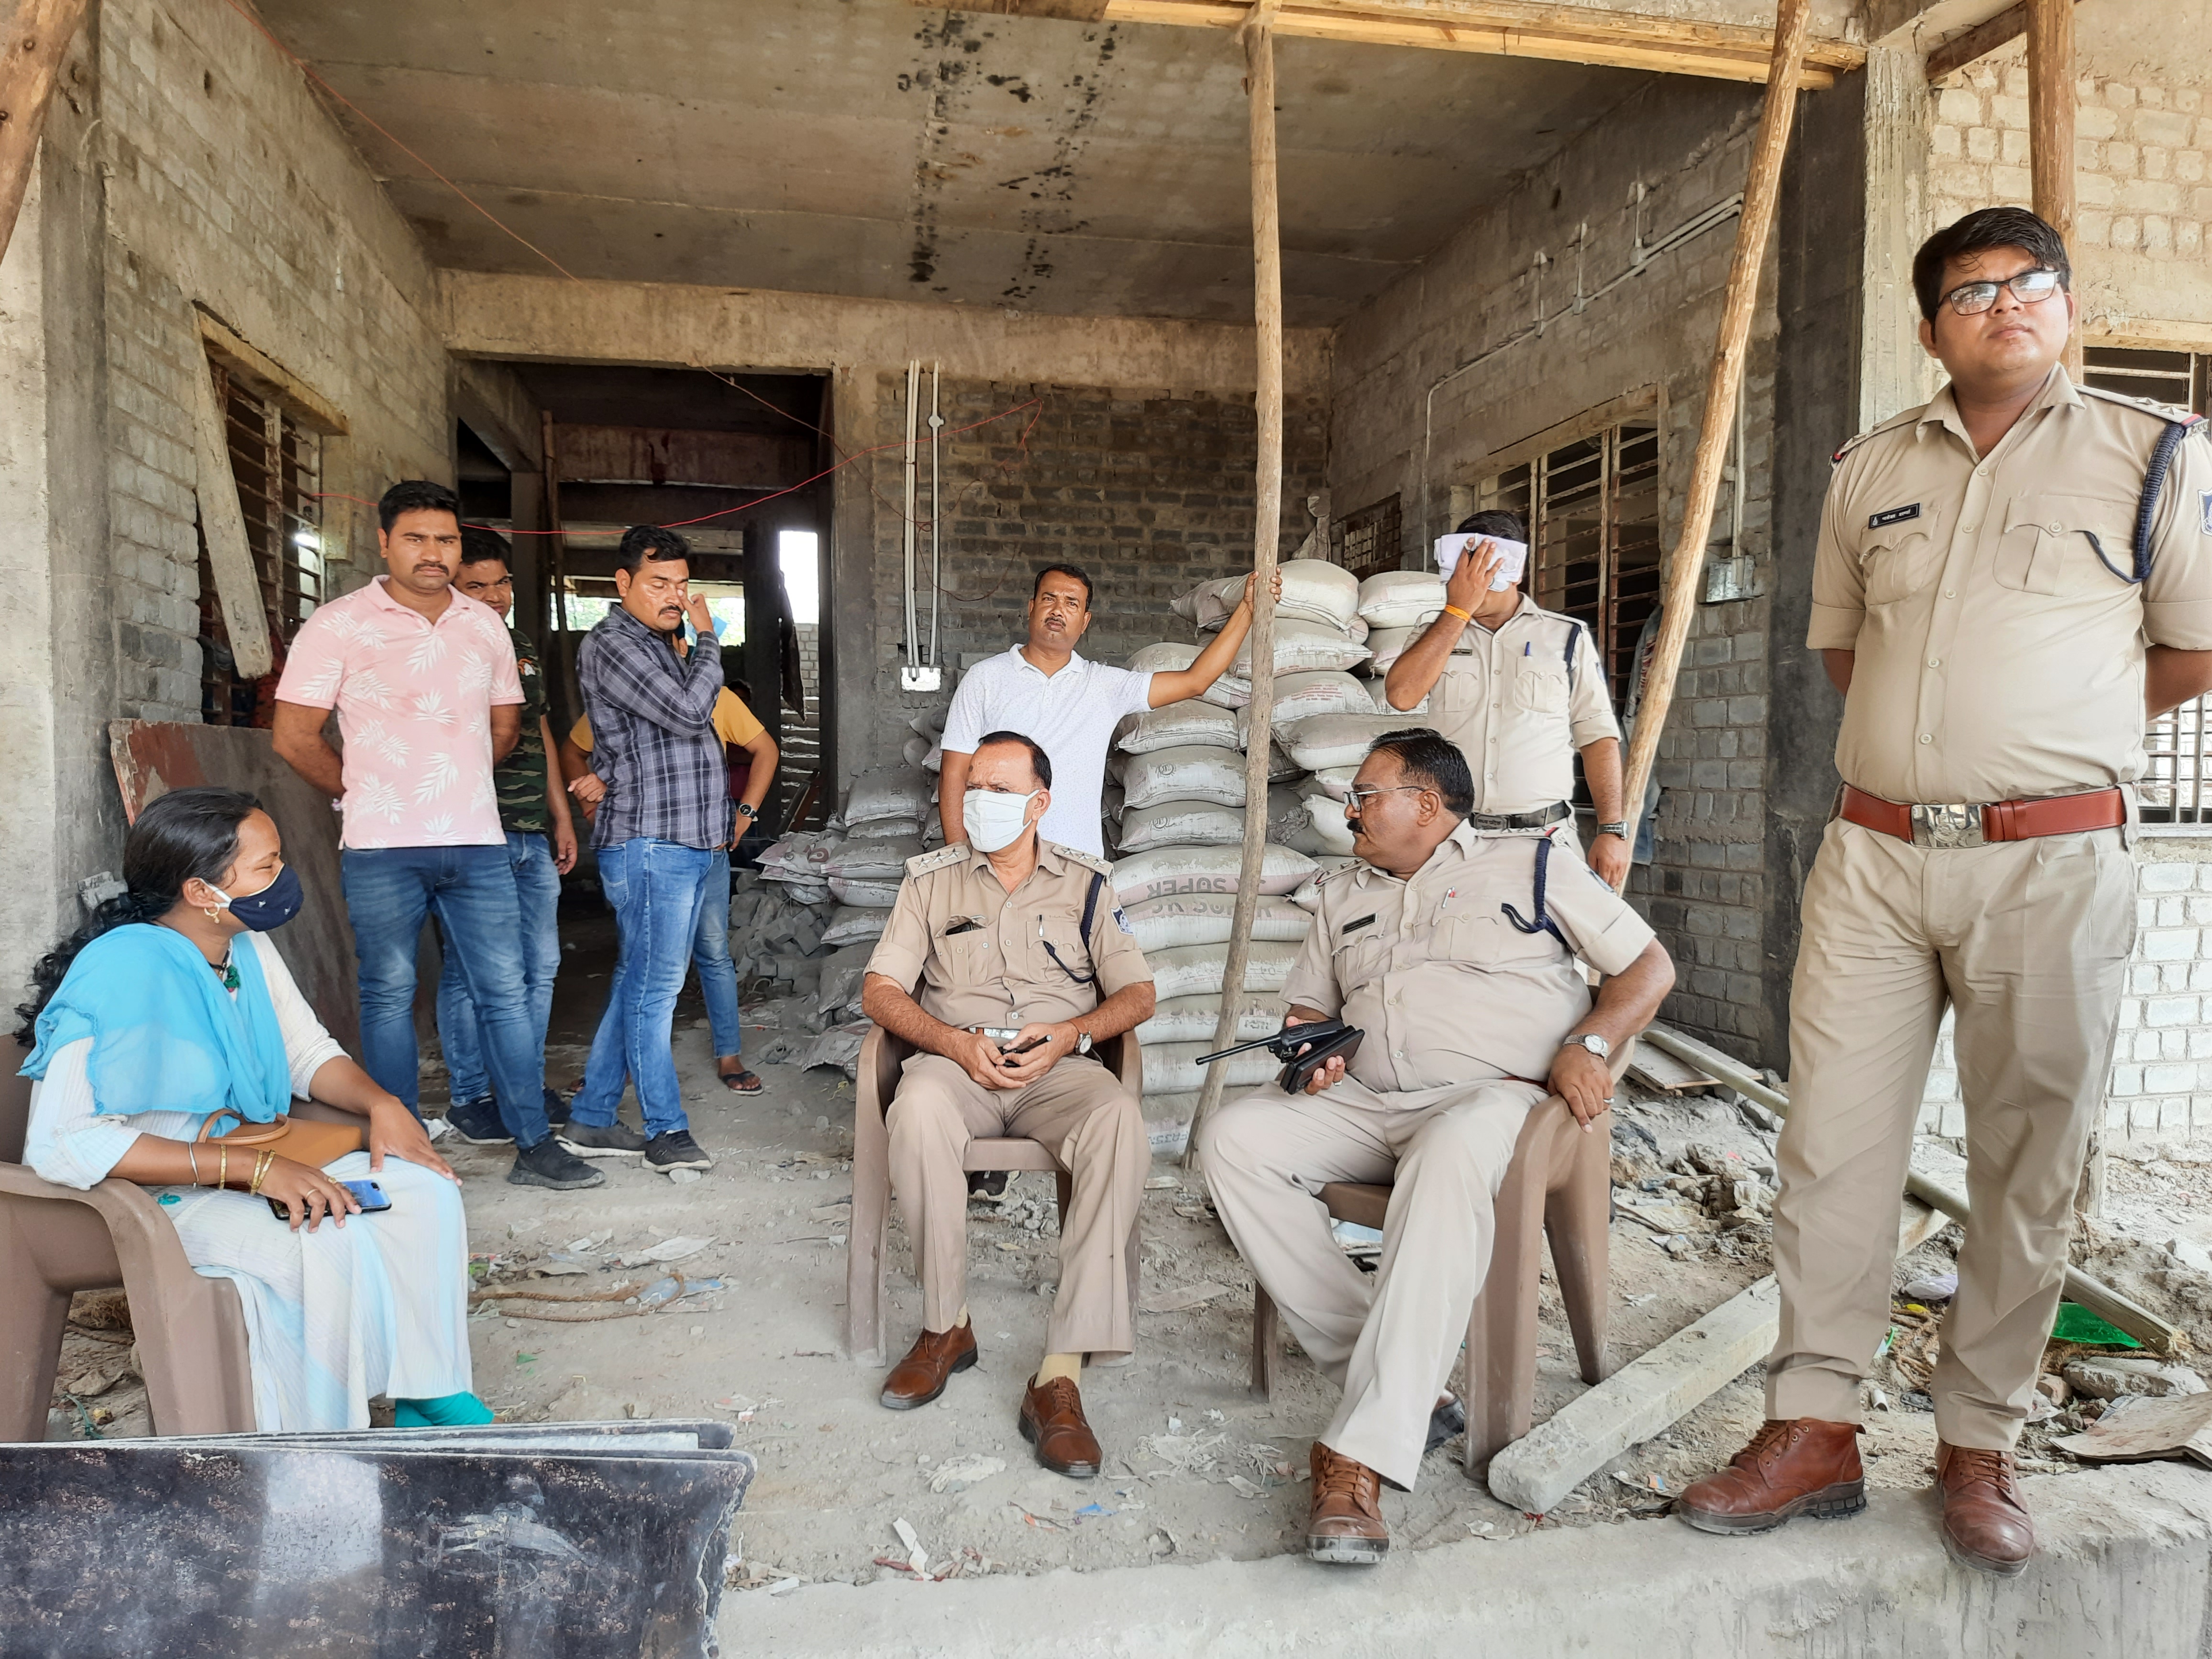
2008,582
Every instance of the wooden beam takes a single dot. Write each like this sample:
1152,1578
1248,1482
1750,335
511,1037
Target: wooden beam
2051,127
30,59
680,455
1267,534
1762,189
222,525
1522,28
1978,42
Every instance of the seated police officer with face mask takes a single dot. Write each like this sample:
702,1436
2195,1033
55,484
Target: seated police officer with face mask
1004,962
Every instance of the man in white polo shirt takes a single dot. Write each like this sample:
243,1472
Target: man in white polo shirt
1043,690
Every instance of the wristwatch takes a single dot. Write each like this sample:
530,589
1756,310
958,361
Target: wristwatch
1082,1041
747,811
1590,1041
1619,829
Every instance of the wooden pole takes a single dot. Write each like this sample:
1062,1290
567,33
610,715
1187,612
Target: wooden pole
30,60
1258,34
2050,128
564,646
1761,192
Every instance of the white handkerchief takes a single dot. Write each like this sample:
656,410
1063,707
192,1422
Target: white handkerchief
1514,559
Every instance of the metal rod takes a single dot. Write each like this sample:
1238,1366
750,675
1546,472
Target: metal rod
913,397
936,590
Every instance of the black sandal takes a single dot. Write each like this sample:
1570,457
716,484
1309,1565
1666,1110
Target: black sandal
739,1082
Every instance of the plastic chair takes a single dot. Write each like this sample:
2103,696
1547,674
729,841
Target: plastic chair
1558,1185
882,1055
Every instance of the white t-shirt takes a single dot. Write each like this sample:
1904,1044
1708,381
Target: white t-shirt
1071,715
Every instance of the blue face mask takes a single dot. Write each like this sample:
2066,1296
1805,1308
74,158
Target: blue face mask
269,908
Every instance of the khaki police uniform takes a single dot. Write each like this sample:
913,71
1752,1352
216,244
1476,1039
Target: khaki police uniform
1997,659
1463,1014
1520,713
979,956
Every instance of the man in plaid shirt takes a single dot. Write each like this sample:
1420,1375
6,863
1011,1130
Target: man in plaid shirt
666,808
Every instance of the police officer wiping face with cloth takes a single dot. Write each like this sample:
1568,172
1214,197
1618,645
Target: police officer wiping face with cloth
2001,632
1010,931
1453,952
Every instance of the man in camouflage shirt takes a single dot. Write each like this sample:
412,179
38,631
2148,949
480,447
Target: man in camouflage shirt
541,846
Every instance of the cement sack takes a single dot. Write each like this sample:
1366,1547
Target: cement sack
1196,970
1327,817
890,791
1402,598
1302,696
1335,781
1307,895
855,923
1357,630
802,891
1193,1019
1329,740
1112,802
1179,823
1386,645
1161,924
930,723
869,895
842,970
1172,655
878,829
1314,590
869,858
1193,722
1286,814
1175,869
1173,1069
917,752
1197,772
1301,647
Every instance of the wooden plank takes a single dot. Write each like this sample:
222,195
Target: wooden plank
222,523
1655,1068
1762,190
2051,130
1524,29
270,378
152,757
1656,1389
1978,42
680,455
31,51
1267,534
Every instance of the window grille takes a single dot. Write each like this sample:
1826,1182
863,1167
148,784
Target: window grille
1368,541
2173,789
276,459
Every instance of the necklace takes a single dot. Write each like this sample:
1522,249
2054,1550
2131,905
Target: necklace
226,971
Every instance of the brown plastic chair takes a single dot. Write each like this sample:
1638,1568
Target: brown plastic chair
882,1055
1559,1186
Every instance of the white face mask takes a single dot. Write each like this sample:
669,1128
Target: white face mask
993,821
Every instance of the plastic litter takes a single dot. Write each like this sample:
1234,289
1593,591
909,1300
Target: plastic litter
2075,1323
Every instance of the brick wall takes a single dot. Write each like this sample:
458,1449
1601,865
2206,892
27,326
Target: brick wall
1147,490
230,189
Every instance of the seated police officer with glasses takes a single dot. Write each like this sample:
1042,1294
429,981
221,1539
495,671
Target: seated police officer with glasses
1453,952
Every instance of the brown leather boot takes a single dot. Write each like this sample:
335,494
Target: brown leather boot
1984,1523
921,1375
1799,1466
1346,1522
1052,1420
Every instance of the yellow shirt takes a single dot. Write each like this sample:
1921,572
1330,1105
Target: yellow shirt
1997,658
734,723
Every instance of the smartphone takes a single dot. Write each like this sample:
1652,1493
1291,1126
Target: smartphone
367,1193
1000,1034
1034,1043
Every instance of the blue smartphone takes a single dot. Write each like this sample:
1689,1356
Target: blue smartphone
367,1193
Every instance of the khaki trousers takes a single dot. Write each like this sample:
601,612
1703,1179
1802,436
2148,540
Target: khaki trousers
1093,1129
1390,1340
2028,941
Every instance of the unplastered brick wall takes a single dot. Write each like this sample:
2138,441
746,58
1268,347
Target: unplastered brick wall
230,189
2161,1081
1148,491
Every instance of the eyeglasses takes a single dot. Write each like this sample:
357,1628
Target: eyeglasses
2029,287
1361,797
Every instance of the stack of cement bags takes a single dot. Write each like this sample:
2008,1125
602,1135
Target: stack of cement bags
774,932
1176,819
1397,605
882,820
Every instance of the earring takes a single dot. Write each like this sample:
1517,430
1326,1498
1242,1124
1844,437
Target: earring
213,913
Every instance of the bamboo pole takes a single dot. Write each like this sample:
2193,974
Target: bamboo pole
31,51
2050,128
1258,35
1762,189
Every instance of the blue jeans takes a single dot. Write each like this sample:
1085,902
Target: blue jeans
655,887
389,890
710,954
538,889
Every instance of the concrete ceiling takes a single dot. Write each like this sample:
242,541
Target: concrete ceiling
865,147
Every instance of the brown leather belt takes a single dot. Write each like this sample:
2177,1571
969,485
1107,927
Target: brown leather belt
1967,824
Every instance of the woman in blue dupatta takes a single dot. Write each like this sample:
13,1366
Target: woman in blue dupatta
172,1005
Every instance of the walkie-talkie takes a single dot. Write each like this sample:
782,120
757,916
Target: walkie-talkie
1302,1048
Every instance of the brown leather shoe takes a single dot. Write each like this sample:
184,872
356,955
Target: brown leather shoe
1052,1420
921,1375
1799,1466
1345,1524
1984,1523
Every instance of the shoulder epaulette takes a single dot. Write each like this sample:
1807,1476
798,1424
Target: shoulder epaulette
944,858
1088,860
1328,876
2170,414
1910,417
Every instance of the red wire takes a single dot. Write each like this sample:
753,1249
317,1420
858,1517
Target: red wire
302,64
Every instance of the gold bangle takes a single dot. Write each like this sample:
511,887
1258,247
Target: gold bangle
222,1167
260,1172
193,1151
1464,616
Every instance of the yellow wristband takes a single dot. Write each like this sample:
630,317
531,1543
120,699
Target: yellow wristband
1464,616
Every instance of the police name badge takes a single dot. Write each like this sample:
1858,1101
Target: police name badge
2204,506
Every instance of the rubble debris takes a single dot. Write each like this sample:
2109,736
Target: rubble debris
2108,1376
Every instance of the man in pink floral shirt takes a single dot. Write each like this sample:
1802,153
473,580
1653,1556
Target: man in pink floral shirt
424,684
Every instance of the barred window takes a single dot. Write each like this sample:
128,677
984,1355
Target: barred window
1367,541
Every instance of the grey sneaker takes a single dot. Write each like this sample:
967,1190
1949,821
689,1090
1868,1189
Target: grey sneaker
615,1140
546,1165
676,1150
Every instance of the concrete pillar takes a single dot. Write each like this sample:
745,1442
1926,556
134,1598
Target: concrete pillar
60,815
1894,372
860,680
